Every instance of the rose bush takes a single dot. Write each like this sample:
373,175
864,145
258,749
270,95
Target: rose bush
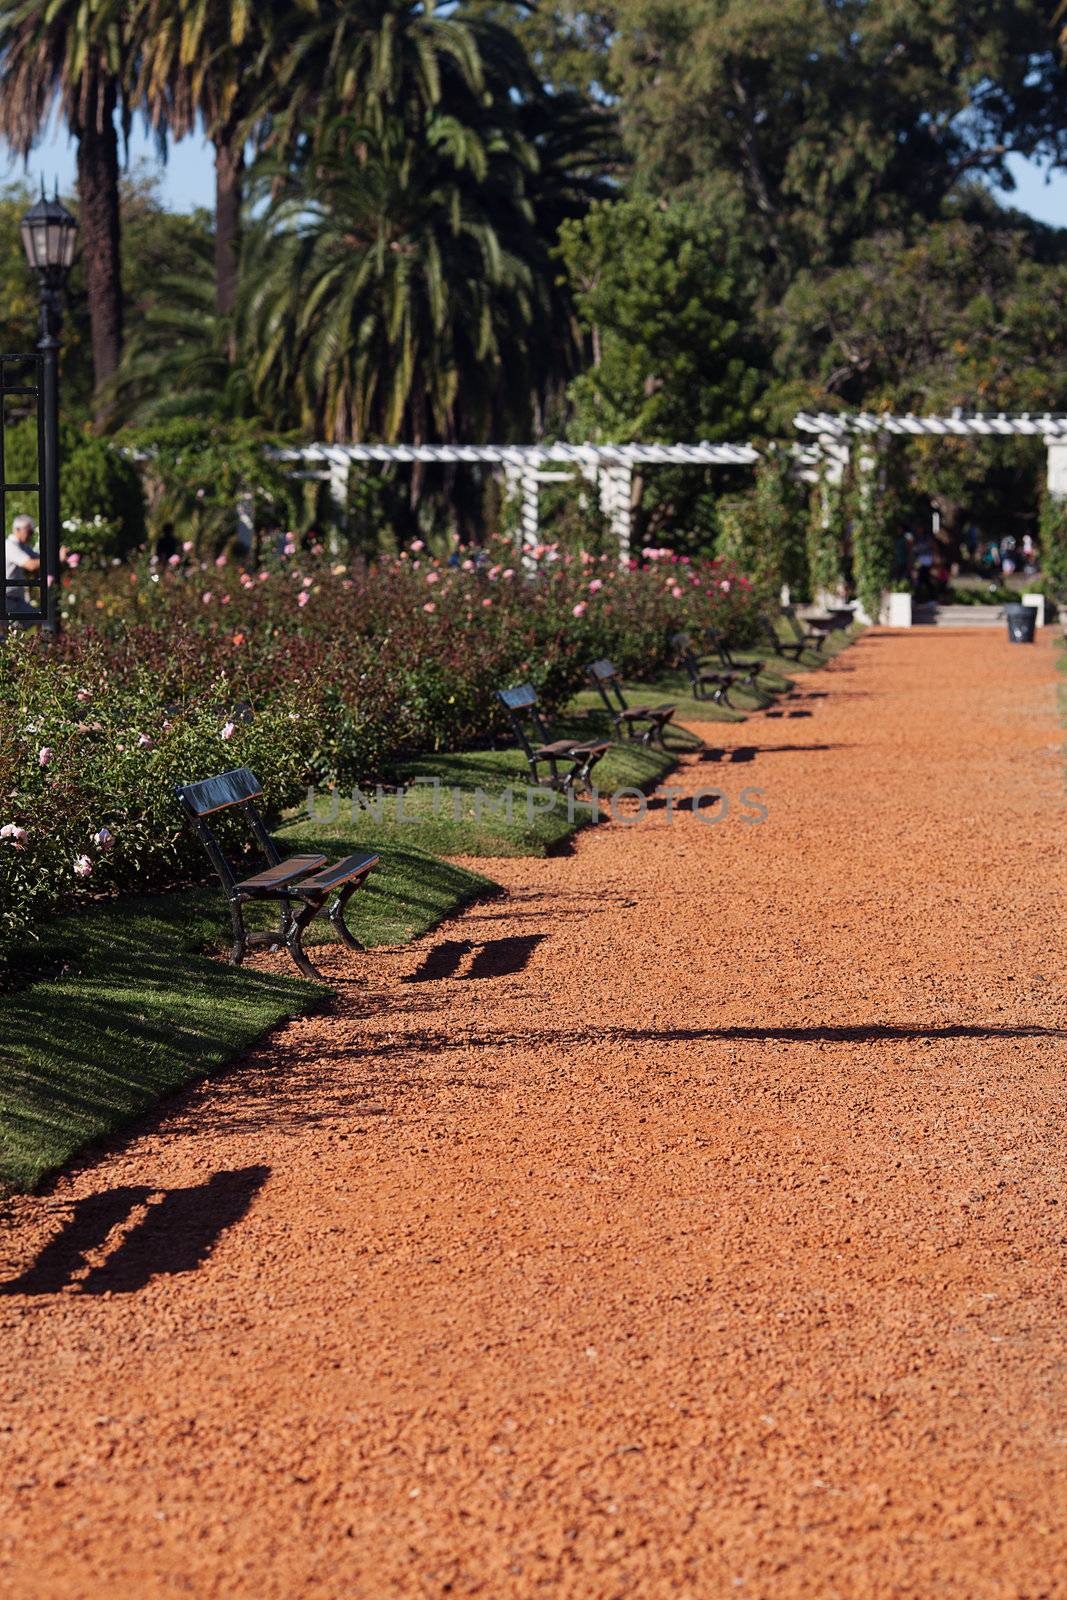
345,669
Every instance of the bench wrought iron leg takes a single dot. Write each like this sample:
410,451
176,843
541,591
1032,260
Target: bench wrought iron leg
336,914
294,939
240,938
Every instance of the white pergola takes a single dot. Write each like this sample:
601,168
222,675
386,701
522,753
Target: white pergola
608,467
833,429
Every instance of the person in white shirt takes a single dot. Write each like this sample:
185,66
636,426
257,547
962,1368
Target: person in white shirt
21,559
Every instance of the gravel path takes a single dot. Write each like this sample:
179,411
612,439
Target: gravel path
690,1221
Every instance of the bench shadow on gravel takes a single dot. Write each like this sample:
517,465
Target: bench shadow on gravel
491,958
170,1231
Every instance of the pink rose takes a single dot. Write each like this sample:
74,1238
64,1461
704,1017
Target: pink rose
104,839
429,606
73,559
228,731
676,592
82,866
302,598
579,609
83,695
417,544
172,561
144,741
596,585
508,572
44,755
17,835
725,586
487,602
432,577
206,597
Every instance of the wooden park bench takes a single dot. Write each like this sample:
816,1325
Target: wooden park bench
707,683
746,672
812,634
541,750
627,718
789,649
306,880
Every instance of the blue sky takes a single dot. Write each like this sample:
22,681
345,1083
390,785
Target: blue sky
187,179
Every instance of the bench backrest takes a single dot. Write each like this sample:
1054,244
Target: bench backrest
522,708
234,788
686,656
209,796
718,642
605,677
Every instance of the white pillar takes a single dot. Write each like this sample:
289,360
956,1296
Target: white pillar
616,495
1057,468
529,529
338,478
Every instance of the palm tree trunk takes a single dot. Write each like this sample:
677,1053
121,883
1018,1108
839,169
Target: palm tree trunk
229,169
98,193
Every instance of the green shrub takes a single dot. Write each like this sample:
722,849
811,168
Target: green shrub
100,498
348,672
1053,534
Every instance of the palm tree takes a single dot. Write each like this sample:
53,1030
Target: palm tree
392,290
216,60
363,59
75,53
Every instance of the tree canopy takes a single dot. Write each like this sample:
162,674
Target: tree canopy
485,218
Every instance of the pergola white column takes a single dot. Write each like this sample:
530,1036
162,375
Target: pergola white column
616,502
1057,468
529,524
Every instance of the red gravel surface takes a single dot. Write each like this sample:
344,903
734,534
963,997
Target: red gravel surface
690,1221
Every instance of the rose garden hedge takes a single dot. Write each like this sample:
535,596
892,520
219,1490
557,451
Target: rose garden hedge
346,670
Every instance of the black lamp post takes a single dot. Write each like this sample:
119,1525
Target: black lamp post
48,237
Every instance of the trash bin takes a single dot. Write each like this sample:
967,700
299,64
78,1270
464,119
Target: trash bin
1022,621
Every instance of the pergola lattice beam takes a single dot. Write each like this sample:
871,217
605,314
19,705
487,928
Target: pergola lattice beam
1048,425
524,456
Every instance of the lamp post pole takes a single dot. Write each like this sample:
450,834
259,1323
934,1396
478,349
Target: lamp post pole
48,426
48,235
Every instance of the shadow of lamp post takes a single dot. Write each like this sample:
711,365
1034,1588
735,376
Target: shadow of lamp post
49,233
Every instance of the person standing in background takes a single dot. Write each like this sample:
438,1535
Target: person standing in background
21,560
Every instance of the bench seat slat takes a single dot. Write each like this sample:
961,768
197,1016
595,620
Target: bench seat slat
284,873
648,711
341,872
567,747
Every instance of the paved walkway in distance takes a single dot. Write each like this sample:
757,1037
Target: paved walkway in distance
690,1222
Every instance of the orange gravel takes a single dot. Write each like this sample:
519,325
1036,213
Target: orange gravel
690,1221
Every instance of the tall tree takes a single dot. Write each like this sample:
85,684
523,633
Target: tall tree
76,54
218,62
393,290
814,122
420,178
